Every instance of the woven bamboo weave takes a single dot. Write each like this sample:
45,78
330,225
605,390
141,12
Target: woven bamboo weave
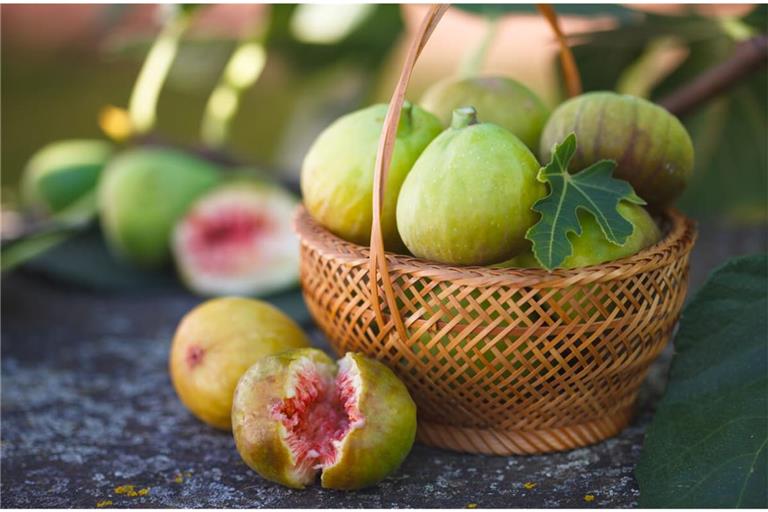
499,361
506,361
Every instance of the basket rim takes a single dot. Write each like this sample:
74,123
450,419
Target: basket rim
679,237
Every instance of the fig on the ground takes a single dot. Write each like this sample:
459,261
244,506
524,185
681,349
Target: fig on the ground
591,247
298,412
237,239
497,99
468,198
337,173
216,343
652,149
60,179
142,193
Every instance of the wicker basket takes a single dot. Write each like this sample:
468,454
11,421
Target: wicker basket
499,361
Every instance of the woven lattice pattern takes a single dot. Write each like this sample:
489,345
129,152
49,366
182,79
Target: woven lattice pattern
506,360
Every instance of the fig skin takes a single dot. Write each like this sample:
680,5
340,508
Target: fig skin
365,456
652,149
259,437
60,179
592,248
141,195
497,99
390,416
468,198
337,173
216,343
267,262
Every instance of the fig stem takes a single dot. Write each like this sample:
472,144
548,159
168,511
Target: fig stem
474,61
406,116
463,117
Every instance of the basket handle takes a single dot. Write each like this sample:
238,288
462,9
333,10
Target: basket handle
378,261
383,159
568,63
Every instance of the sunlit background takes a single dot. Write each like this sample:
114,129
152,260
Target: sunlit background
256,83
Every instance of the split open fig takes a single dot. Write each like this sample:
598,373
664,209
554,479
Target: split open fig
299,413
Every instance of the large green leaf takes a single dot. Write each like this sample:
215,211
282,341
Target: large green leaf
594,189
367,45
708,444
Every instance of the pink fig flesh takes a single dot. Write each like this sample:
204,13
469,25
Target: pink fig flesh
238,240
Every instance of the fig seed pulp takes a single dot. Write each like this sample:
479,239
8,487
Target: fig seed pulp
319,415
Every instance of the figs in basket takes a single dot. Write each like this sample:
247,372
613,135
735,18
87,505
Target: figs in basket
337,173
497,99
237,240
298,412
141,195
216,343
592,248
468,198
652,149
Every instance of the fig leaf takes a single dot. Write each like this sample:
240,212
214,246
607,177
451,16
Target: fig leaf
707,446
594,189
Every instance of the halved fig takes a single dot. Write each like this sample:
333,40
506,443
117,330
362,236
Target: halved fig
237,240
299,413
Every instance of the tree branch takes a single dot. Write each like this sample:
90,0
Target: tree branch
749,56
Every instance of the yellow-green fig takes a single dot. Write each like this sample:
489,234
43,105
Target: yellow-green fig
216,343
468,198
650,146
337,173
497,99
298,412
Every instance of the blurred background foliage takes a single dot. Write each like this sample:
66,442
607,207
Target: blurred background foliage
63,64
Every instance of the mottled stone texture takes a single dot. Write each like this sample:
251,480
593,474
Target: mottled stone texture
87,406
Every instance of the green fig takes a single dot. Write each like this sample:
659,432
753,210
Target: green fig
141,196
60,179
337,173
497,99
592,248
298,412
468,198
652,149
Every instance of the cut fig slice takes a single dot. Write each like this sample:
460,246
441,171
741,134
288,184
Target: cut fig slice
238,240
297,414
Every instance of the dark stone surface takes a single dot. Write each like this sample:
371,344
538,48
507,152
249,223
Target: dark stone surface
87,406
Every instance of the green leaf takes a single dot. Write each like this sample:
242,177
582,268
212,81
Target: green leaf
594,189
29,247
728,132
708,443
